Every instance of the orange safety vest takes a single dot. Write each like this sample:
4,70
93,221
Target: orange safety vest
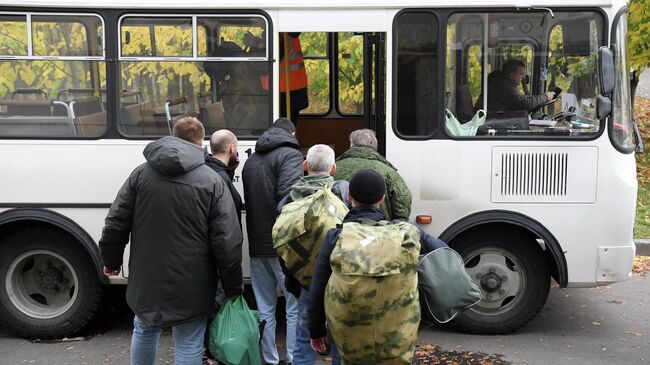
297,73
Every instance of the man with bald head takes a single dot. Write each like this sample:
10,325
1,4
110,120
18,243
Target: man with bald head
224,160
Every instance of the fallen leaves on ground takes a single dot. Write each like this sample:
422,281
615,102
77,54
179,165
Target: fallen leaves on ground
431,354
642,117
641,265
636,334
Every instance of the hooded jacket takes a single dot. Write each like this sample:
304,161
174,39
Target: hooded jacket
397,204
181,221
268,176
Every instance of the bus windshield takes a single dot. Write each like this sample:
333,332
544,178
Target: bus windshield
537,73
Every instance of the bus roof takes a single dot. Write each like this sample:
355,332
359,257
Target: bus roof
297,4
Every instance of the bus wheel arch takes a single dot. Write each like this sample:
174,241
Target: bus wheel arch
28,218
503,257
48,282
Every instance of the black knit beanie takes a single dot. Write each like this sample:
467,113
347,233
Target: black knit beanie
367,187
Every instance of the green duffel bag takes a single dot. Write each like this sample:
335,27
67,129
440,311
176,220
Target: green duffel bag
445,287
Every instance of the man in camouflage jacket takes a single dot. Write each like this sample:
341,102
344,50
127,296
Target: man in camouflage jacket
368,285
363,155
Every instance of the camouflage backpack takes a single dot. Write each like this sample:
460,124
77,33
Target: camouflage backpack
300,229
371,299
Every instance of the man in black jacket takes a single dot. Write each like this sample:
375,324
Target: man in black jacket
268,176
224,160
180,219
503,90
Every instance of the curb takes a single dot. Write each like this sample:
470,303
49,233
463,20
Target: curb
642,247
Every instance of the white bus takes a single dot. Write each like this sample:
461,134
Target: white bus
528,196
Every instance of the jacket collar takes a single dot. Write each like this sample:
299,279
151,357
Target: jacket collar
366,153
364,213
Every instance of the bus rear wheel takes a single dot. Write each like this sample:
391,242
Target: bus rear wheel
514,281
48,285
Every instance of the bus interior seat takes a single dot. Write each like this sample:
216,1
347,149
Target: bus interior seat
86,106
24,103
132,108
35,124
213,117
92,125
211,112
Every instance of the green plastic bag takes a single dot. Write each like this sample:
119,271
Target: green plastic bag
235,335
445,287
455,128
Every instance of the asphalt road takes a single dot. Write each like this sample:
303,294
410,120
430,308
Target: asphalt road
605,325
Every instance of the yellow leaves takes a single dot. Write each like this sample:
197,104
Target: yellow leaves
27,75
641,265
431,354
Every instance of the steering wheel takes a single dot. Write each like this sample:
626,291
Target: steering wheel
549,102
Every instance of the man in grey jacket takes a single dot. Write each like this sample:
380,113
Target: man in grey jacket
184,236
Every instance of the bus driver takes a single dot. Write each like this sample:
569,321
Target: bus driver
503,90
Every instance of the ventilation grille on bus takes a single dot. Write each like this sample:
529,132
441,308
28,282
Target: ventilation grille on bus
534,174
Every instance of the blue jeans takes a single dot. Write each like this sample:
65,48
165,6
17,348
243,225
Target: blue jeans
303,354
188,342
266,277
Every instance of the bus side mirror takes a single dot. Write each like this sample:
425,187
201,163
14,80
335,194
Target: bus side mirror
127,37
603,107
606,71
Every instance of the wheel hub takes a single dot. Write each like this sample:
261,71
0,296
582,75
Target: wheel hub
41,284
490,283
498,277
51,278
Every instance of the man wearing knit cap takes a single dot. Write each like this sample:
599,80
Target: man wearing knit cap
365,281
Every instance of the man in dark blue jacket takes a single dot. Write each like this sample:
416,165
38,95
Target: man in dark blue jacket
366,192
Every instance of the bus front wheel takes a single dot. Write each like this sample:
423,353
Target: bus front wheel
48,285
514,281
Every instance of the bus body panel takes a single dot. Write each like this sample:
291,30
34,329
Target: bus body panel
450,179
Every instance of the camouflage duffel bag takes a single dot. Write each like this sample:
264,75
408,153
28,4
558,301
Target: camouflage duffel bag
300,229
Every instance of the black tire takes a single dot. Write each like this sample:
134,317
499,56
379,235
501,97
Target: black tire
514,280
55,289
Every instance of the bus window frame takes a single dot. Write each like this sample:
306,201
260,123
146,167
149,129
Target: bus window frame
30,47
115,131
610,121
195,57
338,69
30,57
332,65
442,15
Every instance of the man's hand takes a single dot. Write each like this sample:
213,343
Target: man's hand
550,95
319,344
109,272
